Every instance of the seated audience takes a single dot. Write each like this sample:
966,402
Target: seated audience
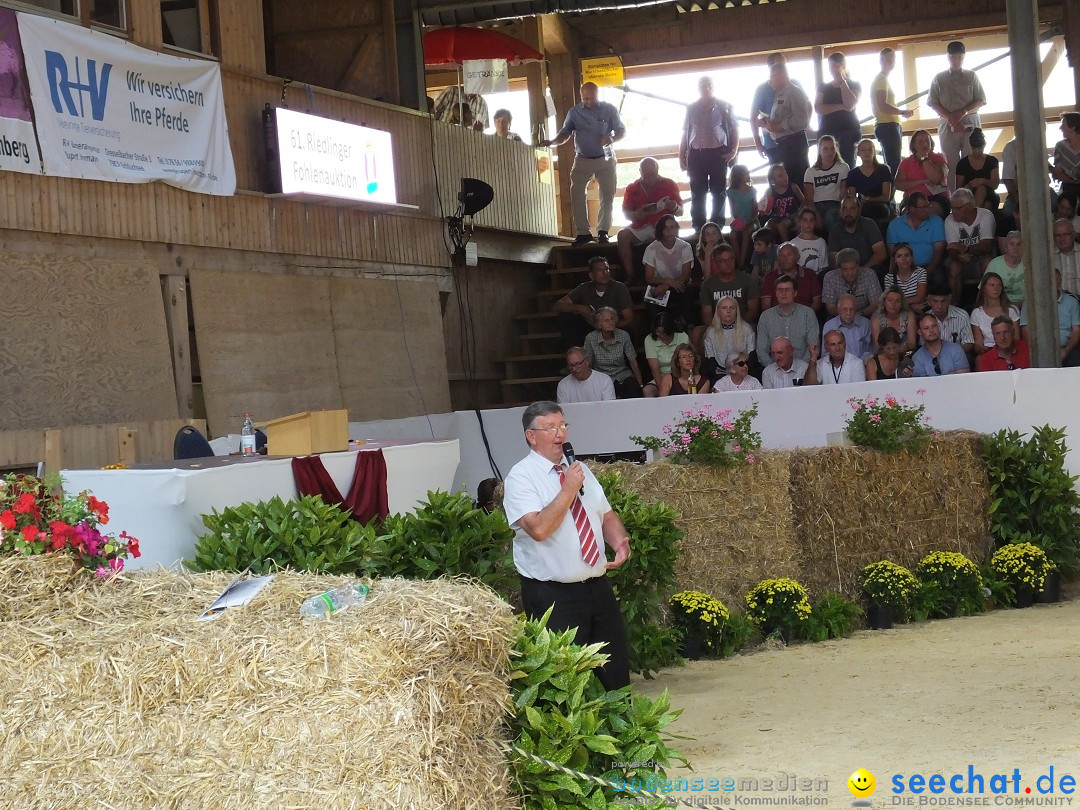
851,278
1010,266
969,240
611,351
685,375
894,313
583,384
937,356
978,172
668,261
577,310
1067,157
788,319
910,279
1068,325
813,250
872,181
1066,256
1008,353
787,370
727,334
838,366
859,233
645,201
854,327
922,231
925,171
807,286
710,236
764,256
954,325
991,303
781,203
889,362
725,279
1064,209
738,377
660,344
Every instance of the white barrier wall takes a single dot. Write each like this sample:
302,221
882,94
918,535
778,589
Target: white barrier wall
794,417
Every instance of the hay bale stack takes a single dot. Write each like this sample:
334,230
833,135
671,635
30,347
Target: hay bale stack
116,696
855,506
738,522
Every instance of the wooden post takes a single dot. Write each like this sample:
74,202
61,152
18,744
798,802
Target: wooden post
176,321
536,81
54,450
563,77
125,446
1071,18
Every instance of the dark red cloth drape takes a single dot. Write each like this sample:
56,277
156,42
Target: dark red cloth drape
367,494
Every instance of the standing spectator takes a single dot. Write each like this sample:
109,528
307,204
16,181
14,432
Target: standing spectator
813,250
1066,256
937,356
894,314
1010,266
577,309
660,344
872,181
860,233
838,366
744,213
787,370
1067,157
595,126
788,319
503,119
854,327
610,350
782,201
825,183
645,200
851,278
991,303
1007,353
787,121
807,284
925,171
923,231
956,95
726,334
835,103
561,519
454,106
684,377
583,384
738,377
910,279
668,261
978,172
887,115
1068,325
709,142
969,240
764,96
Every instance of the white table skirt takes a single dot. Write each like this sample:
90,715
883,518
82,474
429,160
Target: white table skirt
164,508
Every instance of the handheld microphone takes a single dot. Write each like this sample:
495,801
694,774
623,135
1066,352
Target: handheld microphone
568,451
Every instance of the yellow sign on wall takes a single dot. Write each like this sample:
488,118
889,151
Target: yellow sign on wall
603,71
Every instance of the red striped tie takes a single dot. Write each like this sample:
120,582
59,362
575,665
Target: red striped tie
590,553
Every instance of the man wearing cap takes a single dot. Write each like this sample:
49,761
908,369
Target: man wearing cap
596,126
956,95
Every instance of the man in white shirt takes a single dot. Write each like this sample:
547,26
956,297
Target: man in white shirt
583,384
1067,255
969,240
787,370
853,326
838,366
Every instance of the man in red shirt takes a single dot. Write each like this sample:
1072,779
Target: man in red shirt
644,202
807,286
1009,352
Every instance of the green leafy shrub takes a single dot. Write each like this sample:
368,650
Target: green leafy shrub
951,585
833,616
777,605
645,582
306,534
890,585
446,536
738,632
562,713
1032,494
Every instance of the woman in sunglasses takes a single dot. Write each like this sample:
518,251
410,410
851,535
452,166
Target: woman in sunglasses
738,378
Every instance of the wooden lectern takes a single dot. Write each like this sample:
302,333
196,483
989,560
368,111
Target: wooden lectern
301,434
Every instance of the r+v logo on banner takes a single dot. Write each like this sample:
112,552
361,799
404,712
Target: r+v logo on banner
61,85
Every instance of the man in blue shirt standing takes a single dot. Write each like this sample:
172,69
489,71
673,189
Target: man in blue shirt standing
595,126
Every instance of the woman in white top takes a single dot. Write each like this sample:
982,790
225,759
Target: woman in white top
991,302
728,333
660,344
910,279
825,183
668,261
738,377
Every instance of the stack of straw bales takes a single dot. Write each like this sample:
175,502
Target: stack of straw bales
115,696
820,515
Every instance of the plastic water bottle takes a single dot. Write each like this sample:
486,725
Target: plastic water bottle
247,437
334,601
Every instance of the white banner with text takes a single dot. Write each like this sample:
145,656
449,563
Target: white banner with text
109,110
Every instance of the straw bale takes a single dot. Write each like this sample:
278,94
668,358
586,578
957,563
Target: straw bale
855,506
115,696
819,515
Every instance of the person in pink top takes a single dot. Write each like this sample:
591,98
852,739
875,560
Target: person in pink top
925,170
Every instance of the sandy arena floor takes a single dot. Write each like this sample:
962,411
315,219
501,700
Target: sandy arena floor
997,692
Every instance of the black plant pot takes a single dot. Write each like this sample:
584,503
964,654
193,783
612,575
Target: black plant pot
1025,596
692,647
879,617
1051,591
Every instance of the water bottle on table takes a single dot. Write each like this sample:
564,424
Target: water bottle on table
335,601
247,437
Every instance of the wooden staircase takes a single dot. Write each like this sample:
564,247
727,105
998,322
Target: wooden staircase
532,370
